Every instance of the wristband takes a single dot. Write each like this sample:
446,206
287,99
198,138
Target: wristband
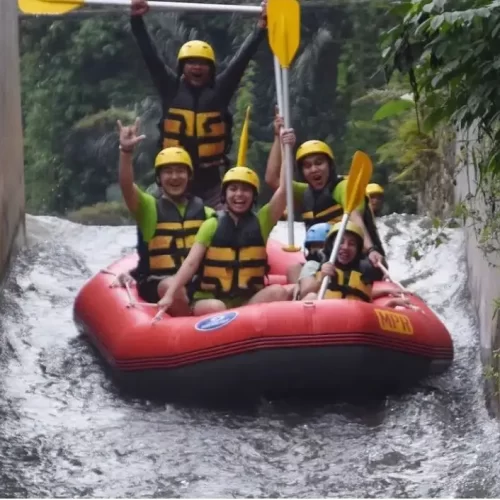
125,150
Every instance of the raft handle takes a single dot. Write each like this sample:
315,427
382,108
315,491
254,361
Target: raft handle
131,301
404,291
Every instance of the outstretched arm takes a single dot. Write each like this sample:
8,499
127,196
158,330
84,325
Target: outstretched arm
128,140
164,78
274,159
228,81
277,204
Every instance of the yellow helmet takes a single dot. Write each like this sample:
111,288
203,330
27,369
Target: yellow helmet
372,189
196,48
242,174
350,228
173,156
313,147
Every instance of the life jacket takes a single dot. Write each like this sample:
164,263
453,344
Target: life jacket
142,270
349,285
235,263
173,237
195,121
371,227
319,206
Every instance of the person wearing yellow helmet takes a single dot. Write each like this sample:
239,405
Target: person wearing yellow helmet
352,276
166,225
195,100
323,195
375,193
230,254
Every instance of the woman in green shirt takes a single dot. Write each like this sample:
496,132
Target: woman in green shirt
229,254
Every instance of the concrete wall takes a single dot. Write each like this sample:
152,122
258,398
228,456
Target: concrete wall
483,271
12,226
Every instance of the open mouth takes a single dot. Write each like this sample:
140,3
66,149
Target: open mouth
239,205
196,76
316,179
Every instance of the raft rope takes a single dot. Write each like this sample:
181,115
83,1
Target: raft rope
125,284
404,291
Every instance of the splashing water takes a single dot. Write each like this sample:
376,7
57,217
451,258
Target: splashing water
65,431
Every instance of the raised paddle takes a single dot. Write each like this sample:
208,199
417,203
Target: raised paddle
58,7
242,150
359,177
283,30
279,85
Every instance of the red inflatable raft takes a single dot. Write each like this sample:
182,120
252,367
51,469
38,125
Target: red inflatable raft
334,348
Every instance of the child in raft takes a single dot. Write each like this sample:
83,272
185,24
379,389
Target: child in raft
229,254
313,252
352,276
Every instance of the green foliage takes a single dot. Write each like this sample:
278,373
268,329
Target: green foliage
392,108
449,50
70,69
81,75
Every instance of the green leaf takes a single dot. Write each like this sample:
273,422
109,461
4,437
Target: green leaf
392,108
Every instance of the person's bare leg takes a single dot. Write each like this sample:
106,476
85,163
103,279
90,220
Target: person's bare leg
208,306
293,273
272,293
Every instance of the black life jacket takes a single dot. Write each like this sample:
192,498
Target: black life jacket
196,121
319,206
173,238
349,284
235,264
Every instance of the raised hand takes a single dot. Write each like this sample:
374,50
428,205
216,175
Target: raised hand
278,123
288,136
262,23
139,7
128,136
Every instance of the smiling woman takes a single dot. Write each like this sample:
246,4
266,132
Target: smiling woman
229,254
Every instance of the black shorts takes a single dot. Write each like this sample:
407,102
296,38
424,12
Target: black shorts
148,290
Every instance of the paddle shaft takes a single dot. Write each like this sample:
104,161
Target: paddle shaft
279,85
182,6
333,255
288,159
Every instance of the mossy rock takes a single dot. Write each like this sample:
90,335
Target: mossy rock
111,213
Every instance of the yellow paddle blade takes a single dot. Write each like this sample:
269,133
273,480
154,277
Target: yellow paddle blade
48,7
359,177
242,151
283,29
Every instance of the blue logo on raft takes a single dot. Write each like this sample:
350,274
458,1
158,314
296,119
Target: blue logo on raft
215,322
